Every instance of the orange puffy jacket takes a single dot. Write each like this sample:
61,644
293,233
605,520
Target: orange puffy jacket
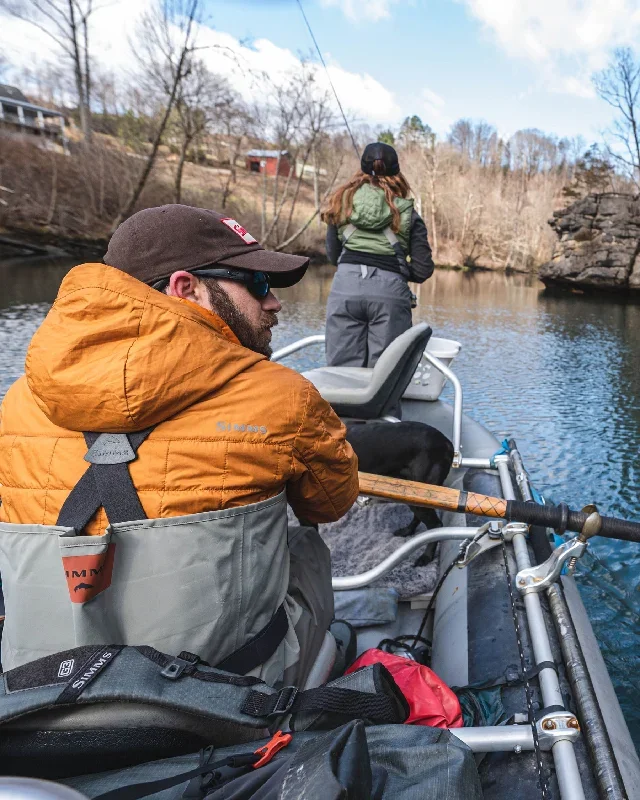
233,428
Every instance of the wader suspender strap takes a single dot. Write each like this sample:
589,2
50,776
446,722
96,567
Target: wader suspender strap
107,483
401,257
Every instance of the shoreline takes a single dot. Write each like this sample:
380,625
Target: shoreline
28,242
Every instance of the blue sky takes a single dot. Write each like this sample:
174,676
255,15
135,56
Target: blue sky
444,59
515,63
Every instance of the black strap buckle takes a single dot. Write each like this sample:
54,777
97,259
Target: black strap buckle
286,698
184,663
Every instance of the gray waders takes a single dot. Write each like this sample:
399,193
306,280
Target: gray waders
234,586
367,309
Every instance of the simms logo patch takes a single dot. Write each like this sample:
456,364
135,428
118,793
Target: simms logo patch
246,237
87,576
66,668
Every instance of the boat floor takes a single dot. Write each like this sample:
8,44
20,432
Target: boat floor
364,537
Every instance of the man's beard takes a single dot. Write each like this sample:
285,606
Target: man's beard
258,340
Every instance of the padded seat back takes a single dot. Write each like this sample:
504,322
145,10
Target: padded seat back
389,377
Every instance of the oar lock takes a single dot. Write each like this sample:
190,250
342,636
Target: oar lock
540,577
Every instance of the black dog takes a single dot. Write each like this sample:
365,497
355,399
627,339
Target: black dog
410,450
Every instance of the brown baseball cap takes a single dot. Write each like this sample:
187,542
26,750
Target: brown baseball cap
156,242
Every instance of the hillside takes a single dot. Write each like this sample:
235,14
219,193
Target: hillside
57,198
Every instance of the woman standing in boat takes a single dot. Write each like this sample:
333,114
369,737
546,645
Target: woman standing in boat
379,242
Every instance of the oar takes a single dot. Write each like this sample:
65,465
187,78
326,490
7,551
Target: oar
423,494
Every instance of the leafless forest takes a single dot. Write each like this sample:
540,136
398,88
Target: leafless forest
176,132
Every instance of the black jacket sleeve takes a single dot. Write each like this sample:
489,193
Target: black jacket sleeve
333,244
422,265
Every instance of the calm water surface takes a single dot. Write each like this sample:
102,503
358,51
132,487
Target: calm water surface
560,374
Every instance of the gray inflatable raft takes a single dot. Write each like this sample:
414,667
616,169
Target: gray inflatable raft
564,722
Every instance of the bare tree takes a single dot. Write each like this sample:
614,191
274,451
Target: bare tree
166,41
200,97
299,114
105,91
619,86
236,122
66,22
461,136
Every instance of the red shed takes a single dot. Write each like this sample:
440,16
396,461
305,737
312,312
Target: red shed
267,161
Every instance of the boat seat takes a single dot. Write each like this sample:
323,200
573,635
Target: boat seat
365,393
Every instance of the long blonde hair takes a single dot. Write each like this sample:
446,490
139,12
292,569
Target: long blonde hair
340,205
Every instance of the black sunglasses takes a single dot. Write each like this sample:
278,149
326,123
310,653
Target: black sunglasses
258,283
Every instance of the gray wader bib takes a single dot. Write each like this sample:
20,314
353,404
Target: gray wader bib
227,585
367,309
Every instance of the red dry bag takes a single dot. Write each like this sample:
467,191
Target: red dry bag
431,701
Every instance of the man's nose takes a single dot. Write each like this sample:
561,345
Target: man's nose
271,303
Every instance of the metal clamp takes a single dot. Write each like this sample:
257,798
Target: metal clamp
538,578
557,726
511,529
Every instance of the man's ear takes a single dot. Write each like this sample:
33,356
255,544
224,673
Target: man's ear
182,284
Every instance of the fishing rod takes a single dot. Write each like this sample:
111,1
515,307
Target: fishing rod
559,517
335,93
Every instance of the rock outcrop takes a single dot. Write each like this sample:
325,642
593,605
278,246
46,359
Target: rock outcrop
599,244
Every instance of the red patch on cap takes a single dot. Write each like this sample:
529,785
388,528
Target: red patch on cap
87,576
246,237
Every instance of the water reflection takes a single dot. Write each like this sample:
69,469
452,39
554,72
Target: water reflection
32,280
559,373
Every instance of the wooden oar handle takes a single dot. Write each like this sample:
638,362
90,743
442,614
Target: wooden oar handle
424,494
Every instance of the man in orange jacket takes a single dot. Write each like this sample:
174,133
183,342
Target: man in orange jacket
153,367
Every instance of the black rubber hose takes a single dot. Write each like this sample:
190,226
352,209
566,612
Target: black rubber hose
552,517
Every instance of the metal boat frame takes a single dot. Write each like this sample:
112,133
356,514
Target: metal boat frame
558,729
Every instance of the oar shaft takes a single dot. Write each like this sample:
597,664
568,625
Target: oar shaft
424,494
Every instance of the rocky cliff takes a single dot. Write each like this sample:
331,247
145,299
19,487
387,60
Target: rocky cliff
599,244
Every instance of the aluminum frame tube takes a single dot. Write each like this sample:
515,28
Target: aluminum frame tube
499,739
287,350
414,543
457,404
606,770
564,756
478,463
522,479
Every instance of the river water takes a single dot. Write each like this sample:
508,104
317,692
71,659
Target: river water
559,374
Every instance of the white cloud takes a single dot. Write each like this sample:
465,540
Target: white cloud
114,26
357,10
575,85
429,96
570,38
433,110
